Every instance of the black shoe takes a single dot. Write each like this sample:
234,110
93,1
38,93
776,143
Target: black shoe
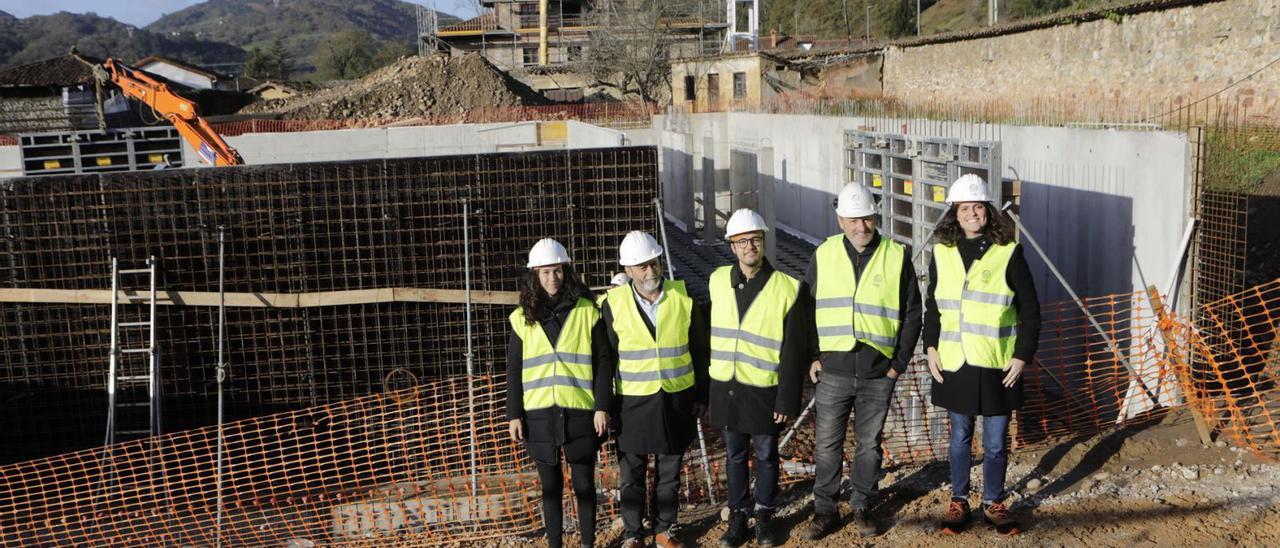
738,531
767,533
820,526
867,526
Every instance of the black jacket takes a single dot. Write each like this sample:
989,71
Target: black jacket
980,390
749,409
865,361
556,425
659,423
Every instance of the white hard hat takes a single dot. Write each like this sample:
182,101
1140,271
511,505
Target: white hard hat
968,188
855,201
638,248
547,252
620,278
744,220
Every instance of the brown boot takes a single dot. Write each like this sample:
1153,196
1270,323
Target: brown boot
668,539
821,526
956,518
997,514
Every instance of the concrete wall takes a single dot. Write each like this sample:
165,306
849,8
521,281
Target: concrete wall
10,162
353,144
1159,55
1094,199
406,142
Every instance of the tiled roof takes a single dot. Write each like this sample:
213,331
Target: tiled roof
67,70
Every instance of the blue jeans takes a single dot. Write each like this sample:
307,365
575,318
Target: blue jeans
766,467
995,455
868,400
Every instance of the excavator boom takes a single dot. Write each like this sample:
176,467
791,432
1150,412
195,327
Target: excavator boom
180,111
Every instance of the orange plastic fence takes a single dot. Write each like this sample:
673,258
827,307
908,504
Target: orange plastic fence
1229,359
433,463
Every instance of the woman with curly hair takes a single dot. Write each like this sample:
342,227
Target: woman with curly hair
558,393
981,329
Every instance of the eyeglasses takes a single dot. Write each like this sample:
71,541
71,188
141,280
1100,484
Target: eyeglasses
755,241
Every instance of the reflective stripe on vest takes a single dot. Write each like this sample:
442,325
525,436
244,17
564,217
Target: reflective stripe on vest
646,365
751,351
846,311
560,375
978,320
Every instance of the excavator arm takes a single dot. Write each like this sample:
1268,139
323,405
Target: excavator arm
180,111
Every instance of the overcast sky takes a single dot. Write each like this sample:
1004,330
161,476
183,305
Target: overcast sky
143,12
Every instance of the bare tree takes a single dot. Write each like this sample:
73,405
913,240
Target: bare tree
632,43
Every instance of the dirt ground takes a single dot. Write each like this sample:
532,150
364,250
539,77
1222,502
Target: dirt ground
1152,485
412,86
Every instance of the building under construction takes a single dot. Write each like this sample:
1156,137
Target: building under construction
307,349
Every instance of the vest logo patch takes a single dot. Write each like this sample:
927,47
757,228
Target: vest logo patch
877,280
986,275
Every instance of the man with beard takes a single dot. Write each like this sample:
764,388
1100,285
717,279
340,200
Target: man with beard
867,318
759,348
658,338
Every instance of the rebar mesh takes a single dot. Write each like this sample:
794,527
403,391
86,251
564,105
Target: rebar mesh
292,229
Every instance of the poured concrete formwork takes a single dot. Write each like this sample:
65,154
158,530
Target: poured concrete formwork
1103,203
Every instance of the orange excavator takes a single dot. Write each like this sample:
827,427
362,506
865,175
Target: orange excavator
178,110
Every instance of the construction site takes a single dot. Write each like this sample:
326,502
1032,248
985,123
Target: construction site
304,343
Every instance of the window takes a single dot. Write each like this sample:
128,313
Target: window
739,85
713,90
690,88
530,55
575,53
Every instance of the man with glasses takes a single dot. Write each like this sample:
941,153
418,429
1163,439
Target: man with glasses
658,339
867,318
759,349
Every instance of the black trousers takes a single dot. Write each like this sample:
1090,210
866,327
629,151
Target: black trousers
666,491
738,471
584,490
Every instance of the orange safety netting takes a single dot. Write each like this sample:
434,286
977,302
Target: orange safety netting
433,463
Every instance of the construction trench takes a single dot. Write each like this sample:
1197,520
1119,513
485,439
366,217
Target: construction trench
365,306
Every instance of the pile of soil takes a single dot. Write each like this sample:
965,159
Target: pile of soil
1152,485
410,87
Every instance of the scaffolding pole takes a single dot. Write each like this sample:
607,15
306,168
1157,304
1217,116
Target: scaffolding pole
471,371
221,375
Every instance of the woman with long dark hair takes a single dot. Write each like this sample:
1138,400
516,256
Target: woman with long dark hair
557,393
981,328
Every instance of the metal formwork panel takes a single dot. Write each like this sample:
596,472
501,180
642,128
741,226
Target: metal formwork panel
125,149
910,176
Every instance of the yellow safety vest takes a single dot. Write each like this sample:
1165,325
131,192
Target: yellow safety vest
979,321
646,365
559,375
750,351
846,311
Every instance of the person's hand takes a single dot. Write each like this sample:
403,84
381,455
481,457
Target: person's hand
516,427
892,373
935,363
601,420
779,418
1013,372
814,369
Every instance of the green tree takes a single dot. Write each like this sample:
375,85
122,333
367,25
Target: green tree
256,65
279,61
902,20
349,55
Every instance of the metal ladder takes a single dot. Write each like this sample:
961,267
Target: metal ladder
130,415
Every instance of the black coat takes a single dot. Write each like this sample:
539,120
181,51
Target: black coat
863,361
980,390
749,409
550,429
659,423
